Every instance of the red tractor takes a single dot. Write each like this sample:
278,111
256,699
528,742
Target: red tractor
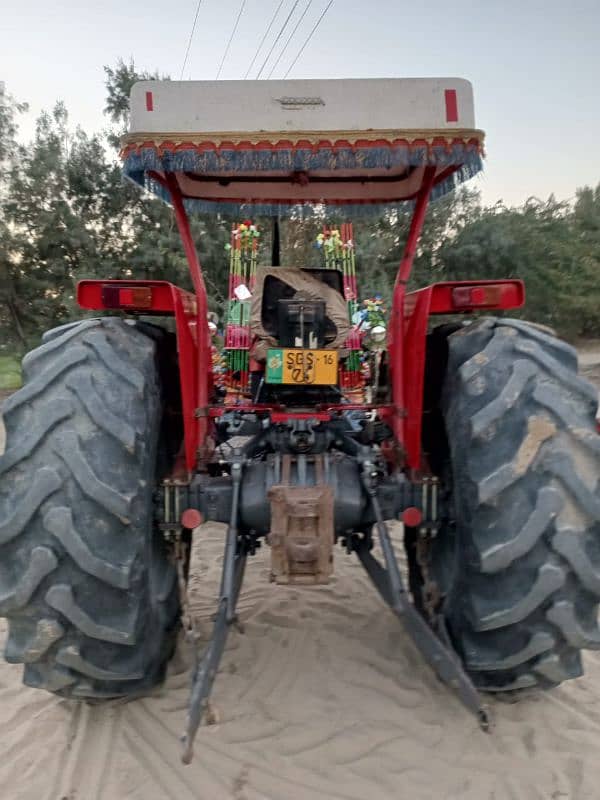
477,435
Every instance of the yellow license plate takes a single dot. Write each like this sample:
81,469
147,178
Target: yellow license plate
301,367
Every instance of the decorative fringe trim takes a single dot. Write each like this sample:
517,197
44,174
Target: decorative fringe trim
230,160
295,140
464,155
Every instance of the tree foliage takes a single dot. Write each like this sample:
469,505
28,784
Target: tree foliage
66,214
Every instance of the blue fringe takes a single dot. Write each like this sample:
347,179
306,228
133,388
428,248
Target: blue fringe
230,161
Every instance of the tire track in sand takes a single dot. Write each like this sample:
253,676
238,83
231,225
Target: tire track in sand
83,770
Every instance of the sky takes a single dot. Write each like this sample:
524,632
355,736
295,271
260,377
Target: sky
534,65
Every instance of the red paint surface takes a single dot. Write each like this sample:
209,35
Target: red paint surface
149,102
416,316
451,105
203,368
397,345
324,412
419,306
455,297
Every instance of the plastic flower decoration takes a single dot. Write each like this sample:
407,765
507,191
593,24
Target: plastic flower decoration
375,311
330,240
244,233
371,315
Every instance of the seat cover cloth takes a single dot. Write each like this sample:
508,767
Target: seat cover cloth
313,289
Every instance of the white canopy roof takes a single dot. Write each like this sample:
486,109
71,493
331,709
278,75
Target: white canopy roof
400,104
274,145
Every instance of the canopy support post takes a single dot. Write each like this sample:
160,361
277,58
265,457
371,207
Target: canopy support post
169,182
396,330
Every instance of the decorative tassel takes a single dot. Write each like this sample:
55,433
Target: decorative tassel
138,160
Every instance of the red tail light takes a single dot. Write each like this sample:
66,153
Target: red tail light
490,295
138,297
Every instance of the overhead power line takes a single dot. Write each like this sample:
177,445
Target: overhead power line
262,41
290,37
189,44
237,22
277,38
308,38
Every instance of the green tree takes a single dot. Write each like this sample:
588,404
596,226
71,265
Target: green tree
10,324
545,244
586,225
66,220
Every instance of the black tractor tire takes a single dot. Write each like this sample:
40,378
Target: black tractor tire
518,559
86,581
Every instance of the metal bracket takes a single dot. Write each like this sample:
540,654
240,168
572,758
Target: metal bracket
204,673
430,504
433,644
170,519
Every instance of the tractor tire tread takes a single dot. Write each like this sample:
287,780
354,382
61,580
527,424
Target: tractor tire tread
525,458
85,581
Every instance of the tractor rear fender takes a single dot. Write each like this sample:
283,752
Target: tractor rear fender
450,297
159,298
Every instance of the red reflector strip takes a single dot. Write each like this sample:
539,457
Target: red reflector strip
476,296
138,297
125,297
149,102
451,105
135,297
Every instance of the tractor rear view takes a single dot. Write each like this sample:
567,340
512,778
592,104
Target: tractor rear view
477,435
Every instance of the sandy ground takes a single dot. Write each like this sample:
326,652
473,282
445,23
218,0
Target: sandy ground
322,698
